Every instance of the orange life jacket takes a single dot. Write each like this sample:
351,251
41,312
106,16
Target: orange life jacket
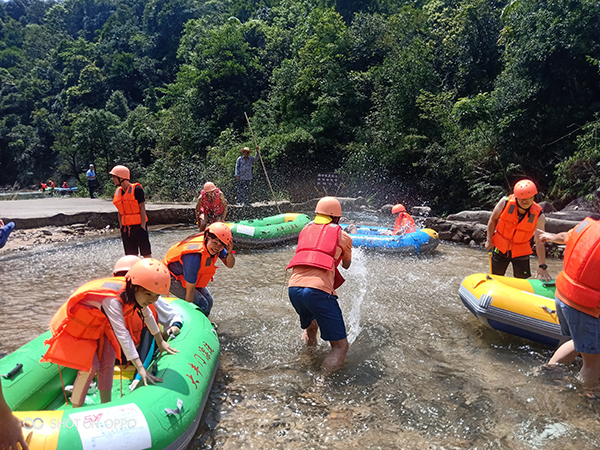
514,235
76,328
51,183
193,244
579,281
404,224
135,324
128,206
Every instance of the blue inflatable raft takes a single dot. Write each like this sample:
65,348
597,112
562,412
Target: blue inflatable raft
417,243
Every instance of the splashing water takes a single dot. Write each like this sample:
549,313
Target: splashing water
358,274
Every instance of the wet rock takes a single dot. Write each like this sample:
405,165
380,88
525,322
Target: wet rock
421,211
547,207
479,233
66,230
445,235
473,244
471,216
46,232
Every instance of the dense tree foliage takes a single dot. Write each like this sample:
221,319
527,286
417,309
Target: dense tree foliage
447,102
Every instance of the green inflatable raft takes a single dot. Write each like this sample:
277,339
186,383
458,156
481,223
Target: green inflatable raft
161,416
271,231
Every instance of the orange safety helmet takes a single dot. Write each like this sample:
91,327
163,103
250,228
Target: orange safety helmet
125,263
398,208
150,274
209,186
525,189
121,172
222,231
329,206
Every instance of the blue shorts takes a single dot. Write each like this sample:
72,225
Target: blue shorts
311,304
583,328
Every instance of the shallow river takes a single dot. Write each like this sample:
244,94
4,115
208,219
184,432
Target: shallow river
421,373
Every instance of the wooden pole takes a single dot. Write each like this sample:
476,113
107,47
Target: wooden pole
262,162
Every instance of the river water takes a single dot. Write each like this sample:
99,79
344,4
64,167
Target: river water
421,373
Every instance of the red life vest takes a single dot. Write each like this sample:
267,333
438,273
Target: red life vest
214,208
76,328
128,206
579,281
514,235
135,324
404,224
51,183
317,245
193,244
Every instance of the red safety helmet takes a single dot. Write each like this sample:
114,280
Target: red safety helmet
221,231
209,187
329,206
125,263
121,172
150,274
398,208
525,189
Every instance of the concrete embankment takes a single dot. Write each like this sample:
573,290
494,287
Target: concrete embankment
98,213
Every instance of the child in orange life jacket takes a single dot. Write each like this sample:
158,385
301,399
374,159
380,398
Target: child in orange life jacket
578,298
130,201
191,263
164,313
90,328
211,206
510,229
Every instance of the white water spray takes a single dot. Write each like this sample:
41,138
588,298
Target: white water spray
357,277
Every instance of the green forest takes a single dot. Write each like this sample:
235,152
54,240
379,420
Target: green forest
439,102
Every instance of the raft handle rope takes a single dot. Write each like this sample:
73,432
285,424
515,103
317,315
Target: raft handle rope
176,411
63,385
548,310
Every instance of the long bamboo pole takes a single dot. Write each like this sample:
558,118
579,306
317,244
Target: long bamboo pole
262,162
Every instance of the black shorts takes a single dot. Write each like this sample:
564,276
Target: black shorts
500,262
135,240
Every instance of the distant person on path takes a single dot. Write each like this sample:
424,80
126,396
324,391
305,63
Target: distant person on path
11,427
510,229
92,180
191,263
131,203
243,175
211,206
5,231
322,245
578,298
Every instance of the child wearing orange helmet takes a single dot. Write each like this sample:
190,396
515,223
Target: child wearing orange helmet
89,330
191,263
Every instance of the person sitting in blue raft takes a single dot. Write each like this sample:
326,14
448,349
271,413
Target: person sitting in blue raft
5,231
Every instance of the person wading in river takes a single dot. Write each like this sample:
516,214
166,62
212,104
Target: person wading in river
510,229
578,298
191,263
322,245
211,206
